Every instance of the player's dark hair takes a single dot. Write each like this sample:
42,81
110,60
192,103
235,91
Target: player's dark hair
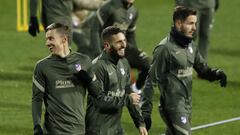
181,13
109,31
60,28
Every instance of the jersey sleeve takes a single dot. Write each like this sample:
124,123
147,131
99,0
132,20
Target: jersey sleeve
33,7
147,94
159,67
131,37
38,89
136,115
203,70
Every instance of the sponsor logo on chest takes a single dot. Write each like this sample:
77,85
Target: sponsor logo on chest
117,93
63,84
185,72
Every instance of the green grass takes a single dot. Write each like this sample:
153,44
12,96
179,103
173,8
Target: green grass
19,52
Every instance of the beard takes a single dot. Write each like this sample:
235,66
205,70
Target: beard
115,54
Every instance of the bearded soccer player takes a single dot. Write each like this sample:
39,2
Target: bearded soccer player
173,62
113,72
61,81
205,9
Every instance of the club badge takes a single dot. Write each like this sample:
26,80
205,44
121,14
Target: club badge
78,67
190,49
183,119
130,16
122,71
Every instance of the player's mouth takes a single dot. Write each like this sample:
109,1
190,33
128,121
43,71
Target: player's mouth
122,50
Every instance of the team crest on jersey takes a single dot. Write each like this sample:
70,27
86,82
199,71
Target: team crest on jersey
122,71
183,119
78,67
190,49
130,16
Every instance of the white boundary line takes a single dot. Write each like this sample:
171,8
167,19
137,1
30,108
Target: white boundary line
214,124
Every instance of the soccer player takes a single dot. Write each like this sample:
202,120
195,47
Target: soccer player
173,62
123,14
205,9
61,81
113,72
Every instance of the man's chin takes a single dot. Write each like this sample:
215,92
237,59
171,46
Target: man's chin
54,53
121,55
189,36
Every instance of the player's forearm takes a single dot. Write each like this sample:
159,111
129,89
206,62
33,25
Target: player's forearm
36,112
136,115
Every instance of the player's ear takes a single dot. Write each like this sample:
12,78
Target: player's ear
64,39
178,23
106,45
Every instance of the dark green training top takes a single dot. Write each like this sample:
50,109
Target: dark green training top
172,70
114,77
63,100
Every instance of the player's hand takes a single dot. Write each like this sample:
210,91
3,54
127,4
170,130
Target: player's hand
143,131
148,122
83,77
135,97
216,7
222,77
33,28
38,130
